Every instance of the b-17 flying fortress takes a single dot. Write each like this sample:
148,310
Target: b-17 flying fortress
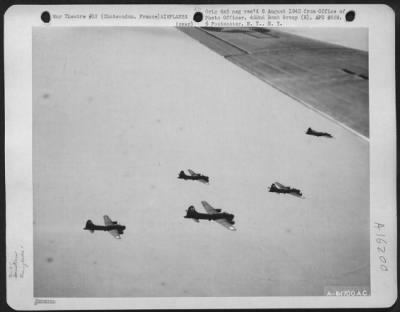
223,218
318,133
112,227
282,189
193,176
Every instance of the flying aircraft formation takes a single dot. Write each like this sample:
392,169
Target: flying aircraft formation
224,218
213,214
225,35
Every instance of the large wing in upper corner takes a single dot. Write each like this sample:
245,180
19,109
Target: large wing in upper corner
329,78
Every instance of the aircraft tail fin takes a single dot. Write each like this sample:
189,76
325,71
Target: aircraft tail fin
191,212
89,226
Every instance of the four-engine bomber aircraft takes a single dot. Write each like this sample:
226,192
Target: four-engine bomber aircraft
112,227
281,189
318,134
223,218
193,176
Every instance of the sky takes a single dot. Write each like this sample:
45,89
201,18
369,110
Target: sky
118,112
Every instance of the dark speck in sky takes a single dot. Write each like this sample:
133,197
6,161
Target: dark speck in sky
45,95
49,259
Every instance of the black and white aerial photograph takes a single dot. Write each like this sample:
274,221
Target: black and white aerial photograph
200,162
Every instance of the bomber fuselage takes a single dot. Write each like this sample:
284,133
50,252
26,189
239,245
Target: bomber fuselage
197,177
93,227
205,216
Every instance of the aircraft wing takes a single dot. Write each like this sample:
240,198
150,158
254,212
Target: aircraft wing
192,172
297,195
281,186
223,222
107,220
226,224
328,78
209,208
115,234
